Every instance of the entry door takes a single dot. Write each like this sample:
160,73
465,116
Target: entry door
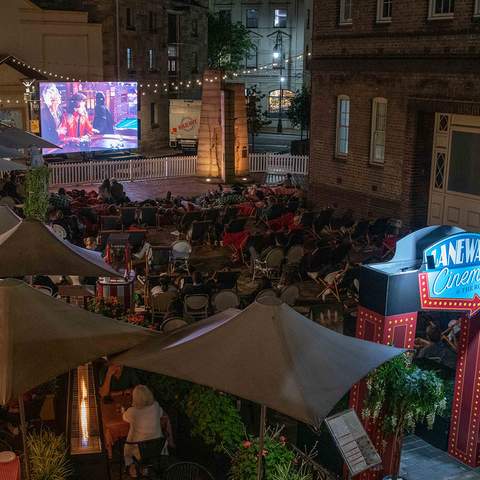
455,179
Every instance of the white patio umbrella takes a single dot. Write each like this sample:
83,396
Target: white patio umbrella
6,165
269,354
13,137
8,219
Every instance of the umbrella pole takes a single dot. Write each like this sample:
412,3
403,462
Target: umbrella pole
23,428
261,441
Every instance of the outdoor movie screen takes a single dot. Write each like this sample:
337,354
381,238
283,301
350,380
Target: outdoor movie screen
89,116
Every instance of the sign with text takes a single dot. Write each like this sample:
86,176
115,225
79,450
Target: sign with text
353,442
450,278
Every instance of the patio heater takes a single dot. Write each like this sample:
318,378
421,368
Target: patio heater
83,427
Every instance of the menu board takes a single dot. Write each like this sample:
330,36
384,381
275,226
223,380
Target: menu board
353,442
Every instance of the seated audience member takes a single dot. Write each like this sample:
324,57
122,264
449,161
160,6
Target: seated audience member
434,348
144,418
116,379
197,287
288,182
118,194
60,201
104,191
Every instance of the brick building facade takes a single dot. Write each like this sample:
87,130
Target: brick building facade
158,42
396,109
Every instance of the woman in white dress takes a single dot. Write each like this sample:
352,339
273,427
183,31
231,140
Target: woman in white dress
144,418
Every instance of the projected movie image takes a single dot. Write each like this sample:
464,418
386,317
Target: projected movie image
89,116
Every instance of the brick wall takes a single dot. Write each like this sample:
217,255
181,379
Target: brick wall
420,67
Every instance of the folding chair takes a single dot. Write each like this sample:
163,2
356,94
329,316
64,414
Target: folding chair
160,303
293,260
187,471
187,219
289,295
172,324
225,299
59,230
128,216
271,266
323,220
195,307
198,231
180,255
110,222
148,216
329,284
151,457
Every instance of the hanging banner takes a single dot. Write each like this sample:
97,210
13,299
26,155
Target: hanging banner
450,276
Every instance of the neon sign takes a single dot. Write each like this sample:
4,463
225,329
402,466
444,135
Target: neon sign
450,278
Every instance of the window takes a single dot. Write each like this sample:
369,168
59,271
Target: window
379,128
252,18
153,115
462,172
345,12
225,15
343,125
172,59
172,28
279,100
152,22
151,59
384,11
441,8
252,58
130,19
280,18
307,21
130,65
195,27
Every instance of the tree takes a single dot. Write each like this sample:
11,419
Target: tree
299,111
256,119
400,395
228,43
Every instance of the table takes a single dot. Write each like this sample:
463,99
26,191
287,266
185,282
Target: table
114,427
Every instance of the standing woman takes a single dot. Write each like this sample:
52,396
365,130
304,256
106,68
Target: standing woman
144,417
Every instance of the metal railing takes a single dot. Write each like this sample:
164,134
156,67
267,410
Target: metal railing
78,173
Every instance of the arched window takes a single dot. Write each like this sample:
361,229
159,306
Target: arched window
277,98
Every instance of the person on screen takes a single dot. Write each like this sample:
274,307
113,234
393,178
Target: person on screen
75,126
51,113
103,120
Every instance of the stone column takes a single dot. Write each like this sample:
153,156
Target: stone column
399,331
210,156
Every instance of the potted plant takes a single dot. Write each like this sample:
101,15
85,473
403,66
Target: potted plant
48,456
400,395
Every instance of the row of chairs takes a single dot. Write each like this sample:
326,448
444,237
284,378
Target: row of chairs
276,262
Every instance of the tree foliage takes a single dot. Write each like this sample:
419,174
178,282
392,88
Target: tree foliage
256,118
299,111
228,43
36,202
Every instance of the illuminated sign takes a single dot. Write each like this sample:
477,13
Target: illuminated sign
450,278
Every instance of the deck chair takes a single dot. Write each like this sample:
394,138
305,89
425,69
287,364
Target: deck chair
199,231
187,219
136,238
225,299
128,216
148,216
110,222
271,266
323,220
160,303
157,260
329,284
195,307
187,471
211,214
236,225
229,214
180,255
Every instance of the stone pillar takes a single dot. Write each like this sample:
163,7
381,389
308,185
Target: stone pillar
237,152
210,156
399,331
465,419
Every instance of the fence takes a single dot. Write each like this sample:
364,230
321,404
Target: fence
78,173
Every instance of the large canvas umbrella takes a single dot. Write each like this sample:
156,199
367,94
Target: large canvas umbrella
8,219
13,137
269,354
32,248
7,165
42,337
